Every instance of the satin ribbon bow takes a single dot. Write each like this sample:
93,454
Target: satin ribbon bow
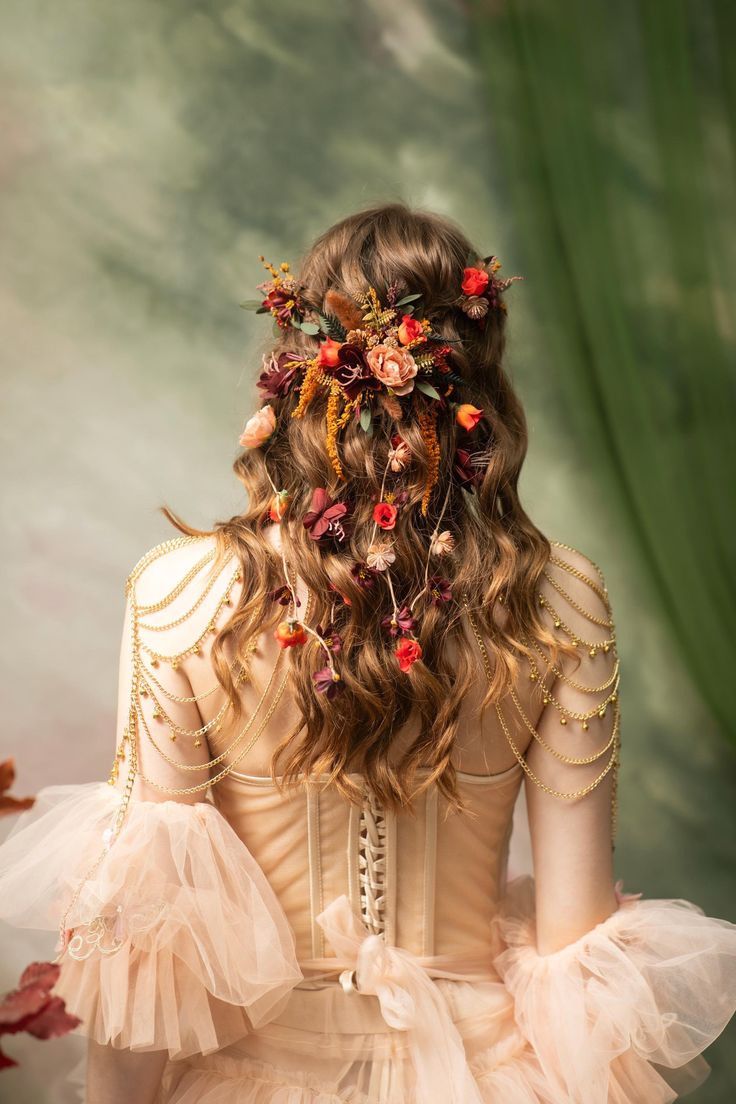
410,1001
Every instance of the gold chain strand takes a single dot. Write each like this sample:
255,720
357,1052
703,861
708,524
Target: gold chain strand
159,713
569,548
569,759
597,711
606,623
193,649
566,678
185,616
236,740
231,766
155,553
564,795
595,646
601,591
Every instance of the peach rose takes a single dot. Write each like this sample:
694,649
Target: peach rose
258,428
410,329
395,368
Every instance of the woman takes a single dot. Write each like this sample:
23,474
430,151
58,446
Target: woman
294,888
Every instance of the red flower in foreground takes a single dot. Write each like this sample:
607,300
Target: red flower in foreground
10,804
475,281
32,1008
384,515
407,651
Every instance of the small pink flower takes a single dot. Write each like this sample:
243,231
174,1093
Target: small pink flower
394,367
258,428
380,556
442,544
399,454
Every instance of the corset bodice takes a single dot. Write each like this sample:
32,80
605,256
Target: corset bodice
429,880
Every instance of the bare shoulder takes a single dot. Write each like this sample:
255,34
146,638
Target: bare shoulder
174,564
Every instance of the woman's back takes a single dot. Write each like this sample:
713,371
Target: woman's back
295,886
429,879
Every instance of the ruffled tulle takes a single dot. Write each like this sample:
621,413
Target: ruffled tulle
622,1014
179,943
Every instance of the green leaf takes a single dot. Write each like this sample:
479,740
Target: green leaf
252,304
366,420
427,389
332,327
408,299
295,322
310,328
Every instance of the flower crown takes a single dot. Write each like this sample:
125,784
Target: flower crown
371,354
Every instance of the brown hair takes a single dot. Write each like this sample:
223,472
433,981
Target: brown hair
500,553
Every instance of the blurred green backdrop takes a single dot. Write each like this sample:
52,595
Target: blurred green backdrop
153,150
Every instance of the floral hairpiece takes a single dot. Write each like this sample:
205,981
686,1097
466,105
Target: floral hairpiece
371,354
481,288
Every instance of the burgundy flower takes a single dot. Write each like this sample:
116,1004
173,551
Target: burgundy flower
439,589
405,623
364,575
325,519
282,301
332,638
32,1007
352,372
326,683
468,469
282,595
279,373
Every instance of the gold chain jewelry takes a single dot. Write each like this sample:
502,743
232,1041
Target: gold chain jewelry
195,648
601,591
613,744
605,623
185,616
594,646
530,641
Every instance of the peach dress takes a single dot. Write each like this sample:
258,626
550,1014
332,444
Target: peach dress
297,948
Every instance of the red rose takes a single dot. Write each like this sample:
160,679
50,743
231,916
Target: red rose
475,281
410,329
384,515
407,651
329,353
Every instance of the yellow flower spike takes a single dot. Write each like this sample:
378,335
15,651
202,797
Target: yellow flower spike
333,419
284,266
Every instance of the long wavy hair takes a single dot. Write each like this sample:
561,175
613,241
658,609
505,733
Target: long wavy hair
499,553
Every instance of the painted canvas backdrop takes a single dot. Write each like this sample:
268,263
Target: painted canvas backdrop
150,153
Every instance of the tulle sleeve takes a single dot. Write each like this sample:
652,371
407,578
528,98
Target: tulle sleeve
622,1014
177,941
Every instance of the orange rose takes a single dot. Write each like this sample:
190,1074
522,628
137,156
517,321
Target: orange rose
258,428
410,329
289,633
407,652
329,351
384,515
468,416
475,281
395,368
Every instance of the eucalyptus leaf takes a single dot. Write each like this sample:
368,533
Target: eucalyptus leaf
295,322
366,420
252,304
310,328
427,389
408,299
